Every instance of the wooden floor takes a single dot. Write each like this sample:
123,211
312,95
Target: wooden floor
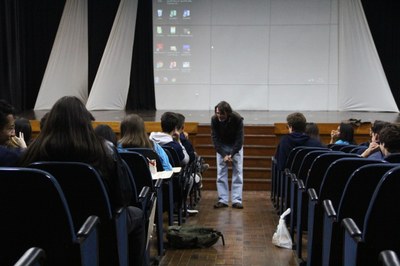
247,232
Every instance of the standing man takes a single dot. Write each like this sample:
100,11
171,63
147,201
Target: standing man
227,136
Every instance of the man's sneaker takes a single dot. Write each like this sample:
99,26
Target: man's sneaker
204,167
220,205
192,211
237,205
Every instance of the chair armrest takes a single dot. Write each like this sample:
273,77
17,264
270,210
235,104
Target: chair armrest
351,227
301,185
33,256
144,193
389,257
286,171
143,198
88,239
88,226
293,178
312,194
329,209
158,183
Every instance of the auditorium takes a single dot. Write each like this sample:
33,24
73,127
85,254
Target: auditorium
273,124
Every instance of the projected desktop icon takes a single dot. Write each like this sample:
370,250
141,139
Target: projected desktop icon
187,31
172,13
185,64
156,79
159,12
172,30
186,47
172,64
159,47
186,13
159,64
159,30
173,48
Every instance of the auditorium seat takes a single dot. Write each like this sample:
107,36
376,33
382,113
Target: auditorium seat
86,194
139,167
331,187
38,215
313,179
353,203
381,224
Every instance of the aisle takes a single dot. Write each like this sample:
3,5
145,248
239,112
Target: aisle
247,233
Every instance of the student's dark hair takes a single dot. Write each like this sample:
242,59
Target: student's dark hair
169,122
23,125
106,132
312,130
6,109
181,122
297,121
346,133
133,133
223,108
43,120
68,135
378,125
390,137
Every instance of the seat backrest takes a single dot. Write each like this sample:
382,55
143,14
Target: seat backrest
299,156
139,167
174,155
381,223
393,158
148,153
320,165
292,154
359,149
83,188
336,177
358,191
35,214
348,148
307,161
336,147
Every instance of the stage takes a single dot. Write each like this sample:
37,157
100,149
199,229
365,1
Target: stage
250,117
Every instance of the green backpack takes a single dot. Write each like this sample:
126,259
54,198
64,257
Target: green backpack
192,236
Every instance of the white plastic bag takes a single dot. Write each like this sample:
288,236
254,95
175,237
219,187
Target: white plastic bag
281,237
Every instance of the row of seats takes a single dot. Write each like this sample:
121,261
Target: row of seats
79,200
324,187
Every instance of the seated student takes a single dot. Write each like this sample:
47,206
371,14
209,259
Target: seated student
68,135
134,135
373,151
297,124
106,132
184,137
344,135
170,136
24,126
11,146
312,130
389,139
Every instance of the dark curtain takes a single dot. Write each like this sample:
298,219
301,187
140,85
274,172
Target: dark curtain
384,21
141,94
27,32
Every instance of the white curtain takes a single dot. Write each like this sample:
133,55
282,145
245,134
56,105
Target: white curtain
67,69
111,85
362,82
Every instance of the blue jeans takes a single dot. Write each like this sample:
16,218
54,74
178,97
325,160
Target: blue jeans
237,177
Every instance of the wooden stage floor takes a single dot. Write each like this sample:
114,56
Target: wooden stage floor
250,117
